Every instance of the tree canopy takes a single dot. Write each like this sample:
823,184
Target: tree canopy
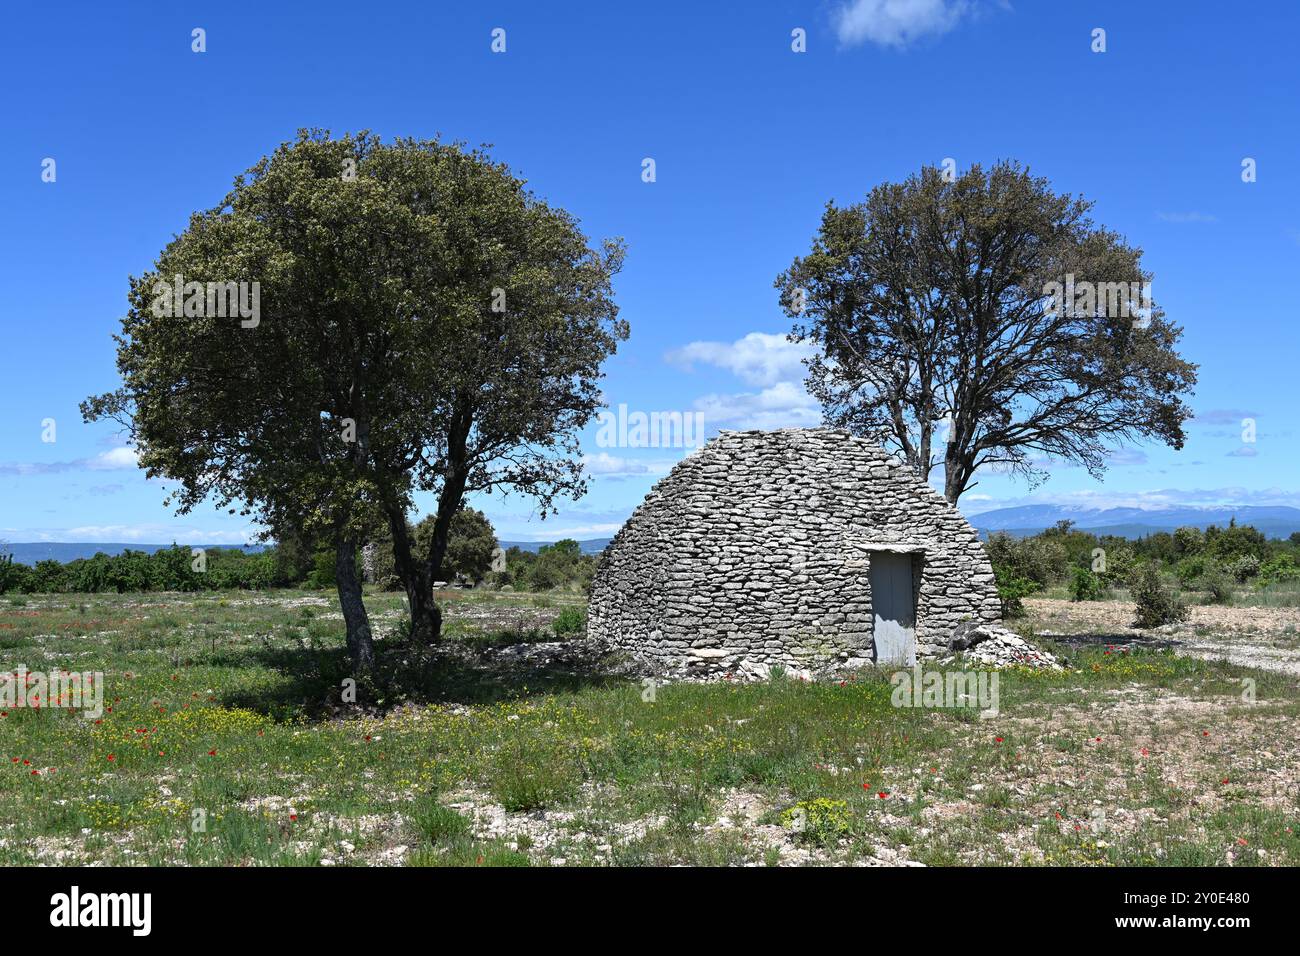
988,314
423,323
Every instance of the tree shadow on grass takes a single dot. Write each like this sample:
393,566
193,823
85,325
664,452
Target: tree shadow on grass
313,680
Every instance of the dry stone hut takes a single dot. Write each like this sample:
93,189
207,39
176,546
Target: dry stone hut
807,548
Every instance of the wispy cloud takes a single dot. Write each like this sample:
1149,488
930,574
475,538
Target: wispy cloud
897,23
1182,217
1101,498
614,466
1222,416
131,534
112,460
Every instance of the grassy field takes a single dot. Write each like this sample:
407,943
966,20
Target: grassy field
226,744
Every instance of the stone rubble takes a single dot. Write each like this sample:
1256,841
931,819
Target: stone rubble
996,646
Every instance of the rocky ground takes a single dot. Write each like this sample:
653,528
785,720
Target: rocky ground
1263,637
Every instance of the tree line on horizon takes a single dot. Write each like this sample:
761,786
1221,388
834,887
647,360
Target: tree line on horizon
1220,562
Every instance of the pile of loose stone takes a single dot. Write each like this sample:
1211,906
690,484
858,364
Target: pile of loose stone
995,645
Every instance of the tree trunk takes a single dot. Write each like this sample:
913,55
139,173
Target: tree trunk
361,646
956,474
426,619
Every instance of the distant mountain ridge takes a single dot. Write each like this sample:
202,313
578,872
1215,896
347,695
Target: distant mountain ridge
1275,521
586,546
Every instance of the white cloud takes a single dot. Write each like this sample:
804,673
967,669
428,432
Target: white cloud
1101,499
114,458
897,23
612,466
131,534
784,405
760,358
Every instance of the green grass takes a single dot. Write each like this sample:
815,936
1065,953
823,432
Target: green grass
225,744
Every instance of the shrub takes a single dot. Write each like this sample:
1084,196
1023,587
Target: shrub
1244,568
1218,583
1121,565
571,620
1040,560
1156,604
48,576
1012,589
14,576
1084,585
1279,568
1189,570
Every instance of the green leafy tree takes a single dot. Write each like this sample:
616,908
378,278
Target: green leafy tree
424,323
1189,540
929,305
471,541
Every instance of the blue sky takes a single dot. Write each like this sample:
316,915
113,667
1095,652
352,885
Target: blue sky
749,139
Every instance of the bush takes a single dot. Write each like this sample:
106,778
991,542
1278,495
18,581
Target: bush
14,576
1192,569
1156,604
1121,566
571,620
1279,568
1218,583
1084,585
1012,589
1244,568
1041,560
